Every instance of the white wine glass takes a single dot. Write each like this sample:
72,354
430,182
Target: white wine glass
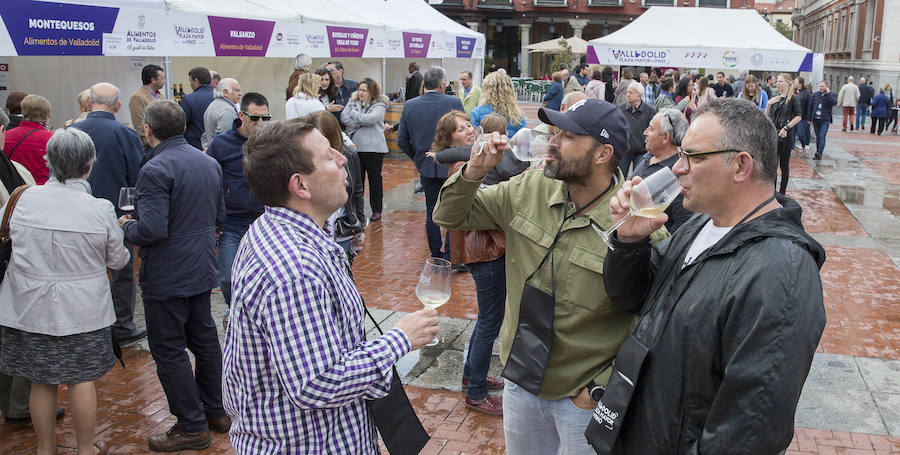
649,199
126,199
528,145
433,289
478,143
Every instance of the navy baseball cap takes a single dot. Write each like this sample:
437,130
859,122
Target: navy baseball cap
600,119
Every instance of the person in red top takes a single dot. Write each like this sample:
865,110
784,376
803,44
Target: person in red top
26,144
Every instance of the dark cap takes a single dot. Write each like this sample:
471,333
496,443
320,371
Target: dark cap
600,119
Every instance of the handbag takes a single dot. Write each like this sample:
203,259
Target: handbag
397,422
342,228
5,241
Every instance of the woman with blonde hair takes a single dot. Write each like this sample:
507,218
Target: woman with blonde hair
498,95
784,111
483,252
364,120
754,93
306,97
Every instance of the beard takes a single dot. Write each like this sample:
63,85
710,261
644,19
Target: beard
569,170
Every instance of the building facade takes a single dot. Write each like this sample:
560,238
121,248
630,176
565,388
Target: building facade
854,36
511,25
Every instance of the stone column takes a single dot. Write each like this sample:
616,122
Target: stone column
578,25
525,57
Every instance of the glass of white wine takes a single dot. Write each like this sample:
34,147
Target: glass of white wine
433,289
527,145
649,199
126,199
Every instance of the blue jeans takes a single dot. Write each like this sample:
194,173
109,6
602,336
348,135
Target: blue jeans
821,129
432,187
802,132
537,426
862,110
490,286
232,230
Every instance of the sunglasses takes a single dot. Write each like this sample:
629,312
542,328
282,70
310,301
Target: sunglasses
255,118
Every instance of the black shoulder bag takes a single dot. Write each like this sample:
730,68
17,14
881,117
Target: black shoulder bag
397,422
5,240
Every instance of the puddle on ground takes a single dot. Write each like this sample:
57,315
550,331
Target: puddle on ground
881,197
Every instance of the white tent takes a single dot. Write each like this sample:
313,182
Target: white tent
554,46
382,38
700,38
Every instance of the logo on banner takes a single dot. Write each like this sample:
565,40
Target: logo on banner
415,45
757,60
60,29
647,56
240,37
190,35
464,46
141,40
347,41
729,59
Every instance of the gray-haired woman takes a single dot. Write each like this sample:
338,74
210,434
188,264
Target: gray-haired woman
55,304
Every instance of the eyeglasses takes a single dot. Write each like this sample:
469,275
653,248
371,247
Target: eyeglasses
254,118
685,157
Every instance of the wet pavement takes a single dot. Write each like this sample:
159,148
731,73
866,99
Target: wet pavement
851,401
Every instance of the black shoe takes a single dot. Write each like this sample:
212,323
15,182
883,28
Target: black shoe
817,157
60,412
460,268
131,338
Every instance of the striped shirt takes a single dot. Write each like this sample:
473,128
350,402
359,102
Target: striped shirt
297,368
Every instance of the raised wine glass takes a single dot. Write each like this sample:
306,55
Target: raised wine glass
126,199
649,199
433,289
527,145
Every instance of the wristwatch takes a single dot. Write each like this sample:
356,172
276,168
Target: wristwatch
595,391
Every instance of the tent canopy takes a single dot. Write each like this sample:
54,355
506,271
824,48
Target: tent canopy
554,46
728,38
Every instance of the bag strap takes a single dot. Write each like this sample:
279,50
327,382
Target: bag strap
7,214
20,141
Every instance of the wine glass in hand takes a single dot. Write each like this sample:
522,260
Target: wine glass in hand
528,146
126,199
433,289
649,199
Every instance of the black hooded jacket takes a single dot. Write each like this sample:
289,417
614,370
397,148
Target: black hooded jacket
727,362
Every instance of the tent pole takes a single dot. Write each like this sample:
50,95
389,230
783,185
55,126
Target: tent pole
168,65
383,74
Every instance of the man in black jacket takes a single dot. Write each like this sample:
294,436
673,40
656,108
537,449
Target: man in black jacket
731,304
413,81
179,202
866,94
819,113
241,206
639,115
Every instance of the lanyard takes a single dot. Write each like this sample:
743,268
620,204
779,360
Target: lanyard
549,254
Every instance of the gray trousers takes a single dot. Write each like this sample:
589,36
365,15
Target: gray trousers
123,288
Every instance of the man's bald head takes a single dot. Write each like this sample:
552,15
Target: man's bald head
571,99
105,97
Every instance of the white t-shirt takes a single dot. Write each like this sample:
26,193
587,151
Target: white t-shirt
708,236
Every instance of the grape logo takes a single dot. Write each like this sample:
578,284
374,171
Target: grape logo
757,60
729,59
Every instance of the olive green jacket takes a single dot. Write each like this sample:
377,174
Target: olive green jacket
471,100
587,328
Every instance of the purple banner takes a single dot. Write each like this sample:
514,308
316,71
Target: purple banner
43,28
464,47
415,45
591,56
240,37
346,41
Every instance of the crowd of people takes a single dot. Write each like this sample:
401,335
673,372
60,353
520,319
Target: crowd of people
273,214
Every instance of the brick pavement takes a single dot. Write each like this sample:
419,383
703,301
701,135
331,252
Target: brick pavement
861,286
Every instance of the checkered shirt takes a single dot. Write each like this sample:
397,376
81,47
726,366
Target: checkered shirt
297,368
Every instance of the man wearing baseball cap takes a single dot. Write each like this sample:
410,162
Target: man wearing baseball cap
560,332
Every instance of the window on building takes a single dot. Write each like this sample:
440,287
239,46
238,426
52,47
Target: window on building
870,24
619,3
713,3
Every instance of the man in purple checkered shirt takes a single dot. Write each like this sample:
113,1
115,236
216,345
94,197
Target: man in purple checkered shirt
297,366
